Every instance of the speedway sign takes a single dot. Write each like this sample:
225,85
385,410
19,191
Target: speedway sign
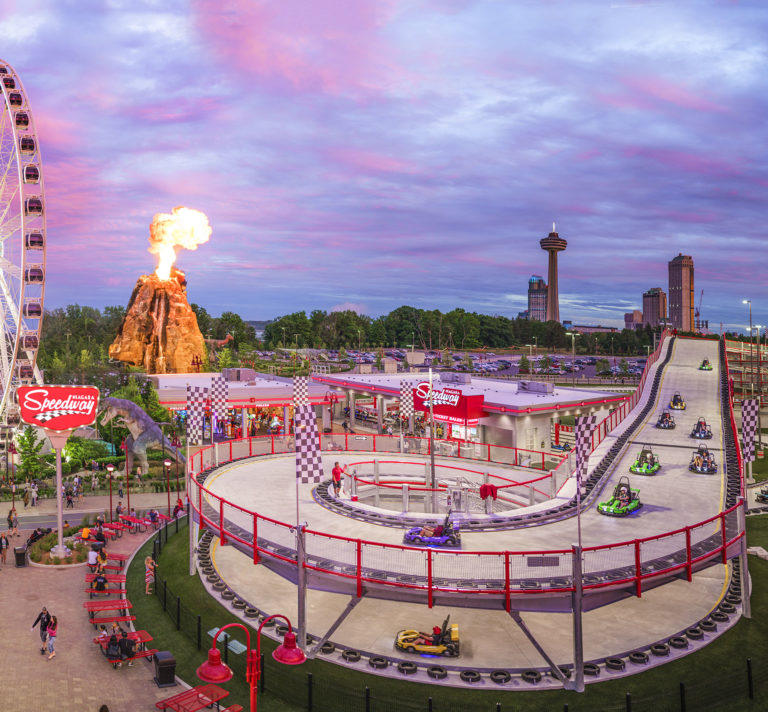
449,405
58,408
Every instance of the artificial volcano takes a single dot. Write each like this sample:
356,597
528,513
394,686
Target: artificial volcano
159,332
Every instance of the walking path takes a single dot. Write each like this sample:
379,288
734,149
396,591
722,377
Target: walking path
78,678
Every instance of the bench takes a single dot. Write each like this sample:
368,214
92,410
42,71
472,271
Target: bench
194,699
107,591
233,708
111,619
136,656
112,578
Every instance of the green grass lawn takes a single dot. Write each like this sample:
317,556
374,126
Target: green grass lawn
715,677
760,469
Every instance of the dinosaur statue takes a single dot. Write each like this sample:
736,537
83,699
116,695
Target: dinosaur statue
144,432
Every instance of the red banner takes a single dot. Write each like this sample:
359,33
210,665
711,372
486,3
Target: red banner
449,404
58,407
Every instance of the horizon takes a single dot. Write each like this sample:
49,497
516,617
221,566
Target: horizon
414,152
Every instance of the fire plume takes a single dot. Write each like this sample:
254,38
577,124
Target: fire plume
181,228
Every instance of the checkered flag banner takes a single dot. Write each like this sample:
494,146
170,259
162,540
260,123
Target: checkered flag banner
309,459
406,399
51,414
300,392
748,427
584,426
196,398
219,396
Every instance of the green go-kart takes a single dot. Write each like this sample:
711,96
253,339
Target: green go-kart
646,463
624,500
705,365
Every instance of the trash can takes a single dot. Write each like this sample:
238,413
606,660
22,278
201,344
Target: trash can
21,555
165,669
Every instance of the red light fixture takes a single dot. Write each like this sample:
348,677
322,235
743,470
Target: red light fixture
213,670
289,653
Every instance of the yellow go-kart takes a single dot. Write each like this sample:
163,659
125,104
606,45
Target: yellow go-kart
442,641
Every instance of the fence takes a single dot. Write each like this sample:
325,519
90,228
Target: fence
736,683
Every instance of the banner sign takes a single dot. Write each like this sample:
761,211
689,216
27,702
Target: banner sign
58,407
449,404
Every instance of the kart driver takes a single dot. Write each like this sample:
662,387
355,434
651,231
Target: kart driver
623,497
427,639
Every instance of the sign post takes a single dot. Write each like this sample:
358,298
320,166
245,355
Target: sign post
58,410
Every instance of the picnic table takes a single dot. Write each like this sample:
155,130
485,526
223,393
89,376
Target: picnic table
140,636
99,605
136,523
111,578
193,700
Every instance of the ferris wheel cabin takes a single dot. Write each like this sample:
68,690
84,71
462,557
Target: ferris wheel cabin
31,173
22,120
15,99
9,83
33,310
27,144
33,206
34,275
34,240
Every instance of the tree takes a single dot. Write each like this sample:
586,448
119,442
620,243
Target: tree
602,367
226,359
624,367
447,359
525,365
204,320
380,358
28,447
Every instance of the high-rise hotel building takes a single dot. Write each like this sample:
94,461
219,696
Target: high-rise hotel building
681,300
537,298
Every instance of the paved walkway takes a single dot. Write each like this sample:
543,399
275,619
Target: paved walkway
78,679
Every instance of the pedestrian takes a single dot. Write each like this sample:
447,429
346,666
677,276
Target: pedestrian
70,500
336,475
94,482
53,629
149,573
4,546
15,522
120,488
10,521
26,498
138,474
44,619
119,510
35,494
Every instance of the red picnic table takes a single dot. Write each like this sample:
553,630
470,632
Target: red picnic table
99,605
193,700
136,522
111,578
140,636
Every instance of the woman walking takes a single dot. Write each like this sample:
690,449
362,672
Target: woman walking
149,573
4,546
53,629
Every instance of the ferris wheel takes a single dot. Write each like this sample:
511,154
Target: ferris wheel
22,244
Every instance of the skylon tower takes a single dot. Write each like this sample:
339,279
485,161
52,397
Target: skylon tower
553,244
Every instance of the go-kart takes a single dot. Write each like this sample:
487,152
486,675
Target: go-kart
762,495
703,461
624,500
666,421
442,641
564,447
677,402
701,430
646,463
431,534
705,365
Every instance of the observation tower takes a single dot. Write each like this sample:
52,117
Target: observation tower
553,244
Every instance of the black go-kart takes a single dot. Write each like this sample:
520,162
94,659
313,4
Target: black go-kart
703,461
666,421
701,430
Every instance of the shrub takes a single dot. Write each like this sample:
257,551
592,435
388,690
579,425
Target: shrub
81,556
55,560
35,555
86,520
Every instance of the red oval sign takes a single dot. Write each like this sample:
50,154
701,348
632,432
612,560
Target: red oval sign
58,407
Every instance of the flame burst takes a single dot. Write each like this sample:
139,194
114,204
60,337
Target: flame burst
181,228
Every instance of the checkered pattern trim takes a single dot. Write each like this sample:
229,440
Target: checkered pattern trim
749,427
406,399
300,391
219,396
309,459
51,414
196,400
584,426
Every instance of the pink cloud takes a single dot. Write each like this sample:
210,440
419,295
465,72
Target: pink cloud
369,161
326,45
670,92
682,160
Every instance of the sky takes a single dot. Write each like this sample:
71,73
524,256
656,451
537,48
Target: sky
366,154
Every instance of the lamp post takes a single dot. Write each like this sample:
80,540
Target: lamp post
167,464
413,341
283,342
573,336
11,451
216,672
536,341
175,442
358,341
110,470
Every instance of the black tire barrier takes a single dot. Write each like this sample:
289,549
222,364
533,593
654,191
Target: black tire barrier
708,626
438,672
469,676
378,663
213,578
660,650
591,669
281,630
239,605
677,641
351,656
531,676
268,623
720,617
615,664
694,633
726,607
732,599
566,671
251,612
227,595
406,667
207,570
327,648
638,657
219,586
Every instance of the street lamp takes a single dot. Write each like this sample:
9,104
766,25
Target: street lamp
283,342
175,442
110,470
216,672
358,340
573,336
167,464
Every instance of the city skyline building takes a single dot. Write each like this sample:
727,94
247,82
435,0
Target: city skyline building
537,298
553,244
681,298
654,306
633,319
